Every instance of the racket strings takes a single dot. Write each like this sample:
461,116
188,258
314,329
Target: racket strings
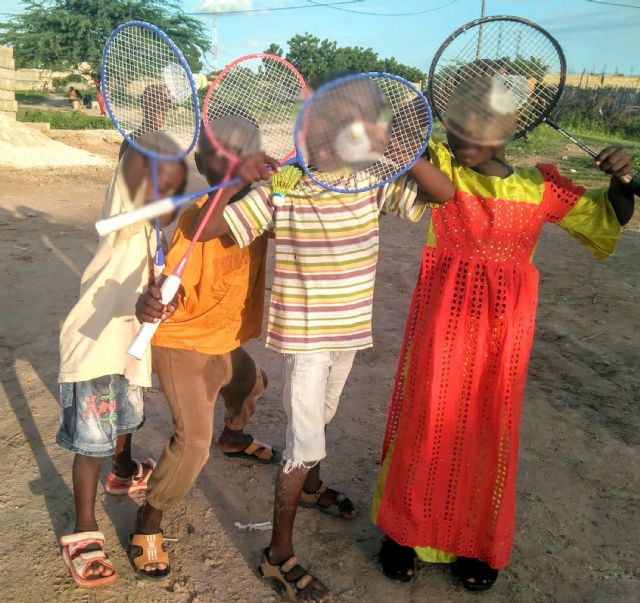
262,91
362,132
524,57
147,87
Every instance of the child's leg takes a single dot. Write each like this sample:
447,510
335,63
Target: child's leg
128,475
191,382
248,382
305,379
122,463
90,420
342,362
86,472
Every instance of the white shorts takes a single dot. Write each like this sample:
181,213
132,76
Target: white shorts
313,383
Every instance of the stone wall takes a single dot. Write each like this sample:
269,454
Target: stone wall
8,104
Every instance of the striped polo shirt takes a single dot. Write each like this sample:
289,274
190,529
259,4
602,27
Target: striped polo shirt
326,256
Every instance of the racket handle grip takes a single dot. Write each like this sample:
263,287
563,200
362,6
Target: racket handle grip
145,333
146,212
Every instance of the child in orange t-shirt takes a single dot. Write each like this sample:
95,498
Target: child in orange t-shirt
197,355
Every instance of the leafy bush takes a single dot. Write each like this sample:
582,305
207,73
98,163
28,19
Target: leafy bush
621,125
65,120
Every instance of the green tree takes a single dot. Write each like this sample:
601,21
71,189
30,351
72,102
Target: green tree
59,34
274,49
316,59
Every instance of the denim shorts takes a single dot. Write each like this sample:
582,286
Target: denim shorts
96,412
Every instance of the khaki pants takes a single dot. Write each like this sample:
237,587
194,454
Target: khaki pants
191,382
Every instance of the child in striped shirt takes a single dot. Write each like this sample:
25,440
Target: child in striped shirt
319,317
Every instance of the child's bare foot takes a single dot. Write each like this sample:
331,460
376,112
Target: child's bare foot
237,444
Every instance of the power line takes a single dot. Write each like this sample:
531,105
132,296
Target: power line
269,9
361,12
614,4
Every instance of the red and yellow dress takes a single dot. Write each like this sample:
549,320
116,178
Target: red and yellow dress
450,451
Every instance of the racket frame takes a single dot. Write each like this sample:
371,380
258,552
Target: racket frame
491,19
183,63
243,59
299,127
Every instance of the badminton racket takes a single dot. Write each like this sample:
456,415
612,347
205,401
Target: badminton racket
403,114
251,106
354,134
151,98
526,57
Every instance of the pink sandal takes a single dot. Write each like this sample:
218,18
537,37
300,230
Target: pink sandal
82,550
136,483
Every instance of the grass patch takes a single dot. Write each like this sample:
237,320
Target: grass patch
32,96
65,120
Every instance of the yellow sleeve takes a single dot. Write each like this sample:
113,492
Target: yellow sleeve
441,158
593,222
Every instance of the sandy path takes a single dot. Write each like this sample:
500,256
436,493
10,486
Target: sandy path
577,539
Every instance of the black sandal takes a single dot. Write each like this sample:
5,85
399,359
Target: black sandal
397,560
484,576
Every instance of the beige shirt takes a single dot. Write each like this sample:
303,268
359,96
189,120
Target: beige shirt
96,334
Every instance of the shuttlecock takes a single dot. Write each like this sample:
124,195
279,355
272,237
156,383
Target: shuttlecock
201,80
177,82
282,183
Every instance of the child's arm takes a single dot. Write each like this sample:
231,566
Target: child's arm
252,169
432,182
618,162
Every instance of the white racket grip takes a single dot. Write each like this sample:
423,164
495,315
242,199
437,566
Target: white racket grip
145,333
146,212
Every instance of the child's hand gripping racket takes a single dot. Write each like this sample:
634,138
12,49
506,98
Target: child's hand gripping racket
148,88
527,58
251,105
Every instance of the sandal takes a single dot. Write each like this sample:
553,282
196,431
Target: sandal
259,452
340,507
80,552
145,549
483,575
136,483
289,578
397,560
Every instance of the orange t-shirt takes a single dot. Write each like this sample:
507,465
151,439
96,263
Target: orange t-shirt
221,301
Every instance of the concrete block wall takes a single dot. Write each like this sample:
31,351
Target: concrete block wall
8,104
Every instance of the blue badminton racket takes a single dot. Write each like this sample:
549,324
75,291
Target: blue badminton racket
355,133
152,99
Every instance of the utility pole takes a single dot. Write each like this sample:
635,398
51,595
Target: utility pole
482,14
214,41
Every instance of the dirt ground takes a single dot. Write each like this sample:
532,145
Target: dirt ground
578,536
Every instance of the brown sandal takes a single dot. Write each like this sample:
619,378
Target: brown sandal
259,452
341,507
289,578
145,549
